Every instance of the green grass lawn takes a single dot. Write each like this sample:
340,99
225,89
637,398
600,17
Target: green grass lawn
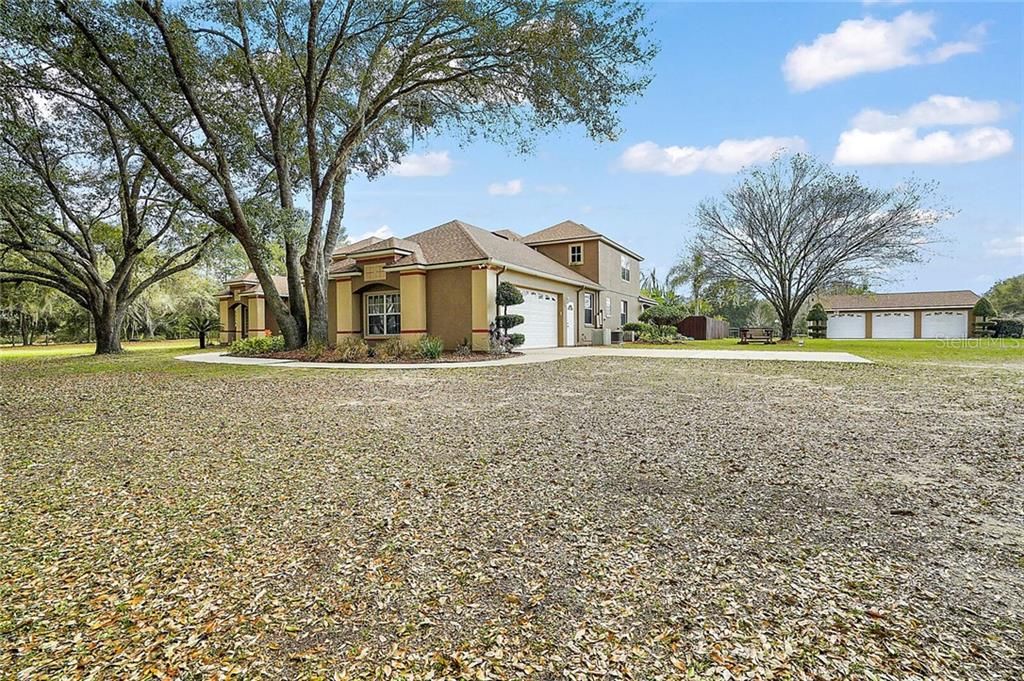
954,351
73,349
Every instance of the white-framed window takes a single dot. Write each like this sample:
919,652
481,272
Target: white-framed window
575,254
588,309
624,312
383,314
624,267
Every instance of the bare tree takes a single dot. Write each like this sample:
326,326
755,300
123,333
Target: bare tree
796,225
233,100
84,213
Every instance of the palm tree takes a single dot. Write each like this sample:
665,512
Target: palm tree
691,270
660,290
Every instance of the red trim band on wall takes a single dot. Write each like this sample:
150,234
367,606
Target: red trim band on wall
348,332
413,331
481,330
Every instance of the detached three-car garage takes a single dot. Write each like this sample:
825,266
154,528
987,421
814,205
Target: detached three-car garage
930,314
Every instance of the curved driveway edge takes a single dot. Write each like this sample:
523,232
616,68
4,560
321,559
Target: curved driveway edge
548,355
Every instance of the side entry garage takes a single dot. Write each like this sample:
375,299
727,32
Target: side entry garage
540,315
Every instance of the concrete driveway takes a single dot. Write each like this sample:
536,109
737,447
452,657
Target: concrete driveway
551,355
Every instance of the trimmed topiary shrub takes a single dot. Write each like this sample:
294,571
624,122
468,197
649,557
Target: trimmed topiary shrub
501,340
984,309
817,319
637,327
430,347
255,346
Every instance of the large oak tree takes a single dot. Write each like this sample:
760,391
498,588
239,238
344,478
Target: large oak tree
795,226
233,101
84,213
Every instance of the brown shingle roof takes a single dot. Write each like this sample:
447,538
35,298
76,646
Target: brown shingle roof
901,301
349,248
508,234
457,241
566,229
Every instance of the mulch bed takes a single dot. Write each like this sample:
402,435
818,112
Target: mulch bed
332,355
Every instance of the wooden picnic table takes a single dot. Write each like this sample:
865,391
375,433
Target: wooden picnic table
757,334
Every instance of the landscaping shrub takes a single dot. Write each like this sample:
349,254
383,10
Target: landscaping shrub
316,350
507,321
638,327
662,315
256,345
353,350
430,347
392,349
506,295
516,339
668,331
817,319
463,349
984,309
1009,328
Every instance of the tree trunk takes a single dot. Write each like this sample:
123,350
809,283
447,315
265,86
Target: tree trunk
296,296
786,322
202,340
108,324
316,291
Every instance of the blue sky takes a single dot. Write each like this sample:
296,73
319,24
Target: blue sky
941,83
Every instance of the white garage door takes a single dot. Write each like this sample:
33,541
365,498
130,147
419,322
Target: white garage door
892,324
540,314
845,325
944,324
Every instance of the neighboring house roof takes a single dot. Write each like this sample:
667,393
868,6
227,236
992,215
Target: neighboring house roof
348,248
901,301
253,287
568,230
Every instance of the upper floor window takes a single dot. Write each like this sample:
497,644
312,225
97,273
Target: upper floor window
383,314
576,254
624,267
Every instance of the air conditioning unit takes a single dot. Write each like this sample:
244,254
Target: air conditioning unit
616,338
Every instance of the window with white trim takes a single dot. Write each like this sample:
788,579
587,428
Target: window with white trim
624,267
383,314
576,254
588,309
624,312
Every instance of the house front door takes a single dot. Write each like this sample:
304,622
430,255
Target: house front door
570,324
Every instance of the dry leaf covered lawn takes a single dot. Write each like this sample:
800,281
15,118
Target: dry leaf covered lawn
629,518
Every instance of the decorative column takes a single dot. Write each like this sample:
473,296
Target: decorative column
413,288
258,317
484,288
343,310
225,315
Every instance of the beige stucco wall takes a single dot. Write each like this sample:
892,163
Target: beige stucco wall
449,305
589,268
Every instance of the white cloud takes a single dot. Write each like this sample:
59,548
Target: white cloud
862,147
728,157
1008,247
430,164
870,45
881,138
552,189
936,110
382,232
510,188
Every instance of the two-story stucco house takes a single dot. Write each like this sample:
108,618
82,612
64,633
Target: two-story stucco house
442,282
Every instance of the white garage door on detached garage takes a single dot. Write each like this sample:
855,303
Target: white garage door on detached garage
892,324
944,324
540,315
845,325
